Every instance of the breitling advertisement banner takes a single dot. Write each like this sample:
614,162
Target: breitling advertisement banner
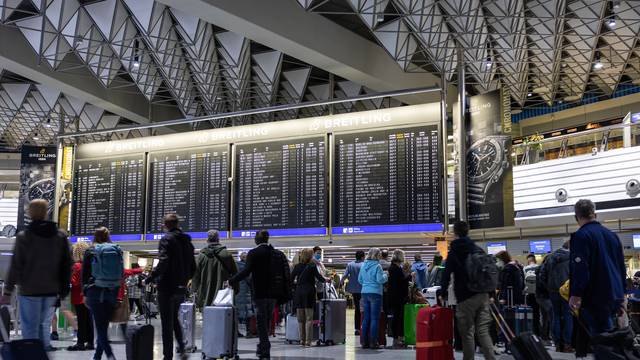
37,179
489,168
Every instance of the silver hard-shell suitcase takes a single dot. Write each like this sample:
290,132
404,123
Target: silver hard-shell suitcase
219,332
187,318
333,313
292,331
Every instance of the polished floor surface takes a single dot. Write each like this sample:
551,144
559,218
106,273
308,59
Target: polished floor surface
280,350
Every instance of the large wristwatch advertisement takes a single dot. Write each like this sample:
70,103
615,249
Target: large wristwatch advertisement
487,159
37,180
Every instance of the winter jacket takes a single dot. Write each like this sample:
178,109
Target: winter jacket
511,284
542,293
243,297
41,262
177,263
398,285
598,269
555,271
214,266
372,277
351,274
258,266
76,284
456,265
420,269
87,270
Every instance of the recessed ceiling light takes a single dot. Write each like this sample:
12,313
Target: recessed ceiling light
611,23
136,64
35,137
529,94
598,65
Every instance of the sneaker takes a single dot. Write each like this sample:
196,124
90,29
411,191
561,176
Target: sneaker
54,336
357,333
76,347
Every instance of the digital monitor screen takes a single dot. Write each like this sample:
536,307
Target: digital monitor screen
496,247
540,246
110,193
192,184
636,241
387,181
281,186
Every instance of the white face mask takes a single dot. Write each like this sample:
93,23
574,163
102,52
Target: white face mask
500,263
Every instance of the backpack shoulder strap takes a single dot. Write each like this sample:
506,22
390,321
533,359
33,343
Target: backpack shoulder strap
224,266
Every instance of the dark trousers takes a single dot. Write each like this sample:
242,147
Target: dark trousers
101,303
168,305
85,325
397,322
357,311
137,303
531,301
264,314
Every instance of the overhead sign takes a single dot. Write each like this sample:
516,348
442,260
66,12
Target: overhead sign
37,179
405,115
540,246
495,247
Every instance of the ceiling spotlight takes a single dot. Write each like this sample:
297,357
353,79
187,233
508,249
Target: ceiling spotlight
35,137
529,94
136,64
489,64
611,23
48,124
598,65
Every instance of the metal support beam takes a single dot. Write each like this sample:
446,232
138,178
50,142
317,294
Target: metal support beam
17,56
284,26
443,147
462,139
264,110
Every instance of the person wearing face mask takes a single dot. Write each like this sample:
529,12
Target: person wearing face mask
510,281
317,259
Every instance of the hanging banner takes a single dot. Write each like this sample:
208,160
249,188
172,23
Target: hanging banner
489,169
37,179
65,187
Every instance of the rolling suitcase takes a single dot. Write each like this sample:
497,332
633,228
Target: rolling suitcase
434,334
187,318
525,346
291,332
139,341
5,319
219,332
31,349
410,316
333,314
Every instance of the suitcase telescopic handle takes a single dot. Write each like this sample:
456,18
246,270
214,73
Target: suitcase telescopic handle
5,332
502,323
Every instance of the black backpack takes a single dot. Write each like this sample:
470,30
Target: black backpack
482,272
280,276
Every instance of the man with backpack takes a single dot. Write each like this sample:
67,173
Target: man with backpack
214,266
554,274
530,280
175,268
271,278
475,276
41,267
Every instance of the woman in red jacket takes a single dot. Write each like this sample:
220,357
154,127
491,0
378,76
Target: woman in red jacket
85,324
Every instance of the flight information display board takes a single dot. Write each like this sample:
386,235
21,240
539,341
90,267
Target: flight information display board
110,193
281,186
387,181
194,185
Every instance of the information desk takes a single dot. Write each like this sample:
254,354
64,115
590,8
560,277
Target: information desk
192,184
387,181
281,186
109,192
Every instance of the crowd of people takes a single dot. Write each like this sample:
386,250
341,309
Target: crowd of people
577,291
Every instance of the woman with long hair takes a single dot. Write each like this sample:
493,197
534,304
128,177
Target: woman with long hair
304,276
85,325
372,278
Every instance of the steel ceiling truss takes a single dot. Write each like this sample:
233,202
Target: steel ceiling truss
170,57
544,51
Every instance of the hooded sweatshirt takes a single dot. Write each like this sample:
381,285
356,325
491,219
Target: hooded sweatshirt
41,262
372,277
420,269
214,266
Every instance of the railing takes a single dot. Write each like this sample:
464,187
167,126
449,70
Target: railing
586,142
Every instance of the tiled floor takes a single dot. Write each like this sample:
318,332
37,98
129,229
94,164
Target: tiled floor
280,350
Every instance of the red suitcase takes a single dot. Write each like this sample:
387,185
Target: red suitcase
382,330
434,334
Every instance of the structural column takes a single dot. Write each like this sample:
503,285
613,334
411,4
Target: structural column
461,138
443,140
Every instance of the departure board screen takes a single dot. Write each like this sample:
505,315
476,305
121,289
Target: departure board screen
192,184
387,181
109,192
281,186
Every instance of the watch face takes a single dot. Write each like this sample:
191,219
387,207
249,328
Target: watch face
482,160
42,189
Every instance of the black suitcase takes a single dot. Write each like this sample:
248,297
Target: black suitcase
31,349
525,346
139,342
5,319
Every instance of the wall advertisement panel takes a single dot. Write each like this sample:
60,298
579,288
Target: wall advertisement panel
489,170
37,179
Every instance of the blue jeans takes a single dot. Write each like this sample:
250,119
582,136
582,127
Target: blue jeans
36,313
562,320
101,302
371,306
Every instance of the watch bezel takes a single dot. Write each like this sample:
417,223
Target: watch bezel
494,166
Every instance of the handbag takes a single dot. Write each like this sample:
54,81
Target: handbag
224,297
121,312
